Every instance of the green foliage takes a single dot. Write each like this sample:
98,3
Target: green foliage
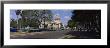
33,18
71,23
18,12
13,23
34,23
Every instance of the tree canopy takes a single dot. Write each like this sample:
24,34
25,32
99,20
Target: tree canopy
33,18
86,18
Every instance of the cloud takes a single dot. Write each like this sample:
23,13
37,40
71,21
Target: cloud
67,17
56,14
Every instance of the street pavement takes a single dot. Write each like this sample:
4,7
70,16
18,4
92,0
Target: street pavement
38,35
54,34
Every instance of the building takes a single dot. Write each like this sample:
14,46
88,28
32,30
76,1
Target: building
54,24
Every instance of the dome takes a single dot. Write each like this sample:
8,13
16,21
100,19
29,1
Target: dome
57,17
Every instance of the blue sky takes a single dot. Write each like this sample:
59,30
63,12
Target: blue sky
13,14
65,15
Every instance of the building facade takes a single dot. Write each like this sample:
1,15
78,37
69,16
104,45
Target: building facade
54,24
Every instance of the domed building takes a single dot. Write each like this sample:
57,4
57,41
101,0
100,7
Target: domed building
54,24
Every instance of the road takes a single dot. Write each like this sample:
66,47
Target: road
55,35
38,35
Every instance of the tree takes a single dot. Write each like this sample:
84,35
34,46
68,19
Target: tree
33,18
13,23
71,23
26,16
43,16
17,13
88,18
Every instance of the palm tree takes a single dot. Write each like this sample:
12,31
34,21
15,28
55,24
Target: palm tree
18,13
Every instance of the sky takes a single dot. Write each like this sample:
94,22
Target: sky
65,15
13,14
